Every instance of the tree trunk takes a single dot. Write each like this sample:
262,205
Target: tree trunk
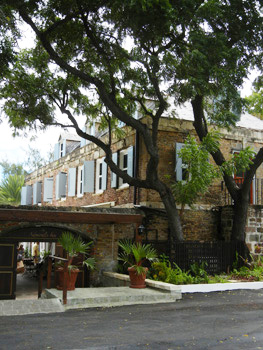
172,215
240,217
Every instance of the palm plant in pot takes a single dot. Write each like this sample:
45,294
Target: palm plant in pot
73,246
136,254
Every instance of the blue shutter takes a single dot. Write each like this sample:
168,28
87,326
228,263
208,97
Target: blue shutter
72,173
88,176
83,141
48,189
178,161
56,151
26,195
61,181
104,175
130,161
37,187
23,195
113,175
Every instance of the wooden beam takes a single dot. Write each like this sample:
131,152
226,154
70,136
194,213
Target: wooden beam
68,217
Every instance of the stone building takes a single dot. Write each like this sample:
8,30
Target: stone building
79,177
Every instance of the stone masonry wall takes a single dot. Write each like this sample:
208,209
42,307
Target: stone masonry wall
254,227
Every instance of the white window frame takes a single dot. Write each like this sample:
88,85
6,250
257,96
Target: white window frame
80,189
61,149
99,172
122,155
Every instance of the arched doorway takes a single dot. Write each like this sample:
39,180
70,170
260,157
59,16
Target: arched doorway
9,240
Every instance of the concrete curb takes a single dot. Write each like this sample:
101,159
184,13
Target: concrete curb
190,288
219,287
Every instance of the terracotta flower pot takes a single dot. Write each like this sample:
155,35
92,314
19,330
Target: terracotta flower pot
71,278
137,281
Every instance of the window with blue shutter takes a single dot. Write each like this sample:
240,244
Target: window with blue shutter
88,176
72,182
179,166
56,151
113,175
26,195
83,141
130,161
61,181
37,191
48,189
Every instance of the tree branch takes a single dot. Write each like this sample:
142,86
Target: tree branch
201,130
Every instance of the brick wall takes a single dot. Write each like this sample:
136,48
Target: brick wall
171,131
198,225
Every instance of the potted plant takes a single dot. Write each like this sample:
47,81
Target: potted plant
136,255
73,247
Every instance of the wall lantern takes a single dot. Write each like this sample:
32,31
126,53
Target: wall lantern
141,230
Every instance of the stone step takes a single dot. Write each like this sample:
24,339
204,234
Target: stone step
26,307
111,296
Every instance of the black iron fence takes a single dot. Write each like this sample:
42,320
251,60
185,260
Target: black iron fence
219,256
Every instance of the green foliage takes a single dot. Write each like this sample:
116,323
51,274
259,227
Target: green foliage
162,271
34,160
100,59
45,253
28,253
136,254
10,189
199,272
74,246
218,279
239,162
252,271
254,102
199,172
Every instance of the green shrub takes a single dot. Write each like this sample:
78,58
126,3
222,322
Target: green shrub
177,276
160,270
199,273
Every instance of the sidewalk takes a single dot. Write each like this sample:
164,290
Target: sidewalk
80,298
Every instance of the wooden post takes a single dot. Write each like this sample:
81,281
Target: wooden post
49,270
65,271
40,283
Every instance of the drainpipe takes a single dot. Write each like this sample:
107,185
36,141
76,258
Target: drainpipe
136,164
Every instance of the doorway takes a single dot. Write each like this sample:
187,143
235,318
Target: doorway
27,279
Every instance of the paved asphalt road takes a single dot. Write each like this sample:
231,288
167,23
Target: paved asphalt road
225,321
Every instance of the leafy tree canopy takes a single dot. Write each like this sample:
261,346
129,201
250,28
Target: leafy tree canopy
105,59
34,160
255,100
11,168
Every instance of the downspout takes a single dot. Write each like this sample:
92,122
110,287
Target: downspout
136,164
